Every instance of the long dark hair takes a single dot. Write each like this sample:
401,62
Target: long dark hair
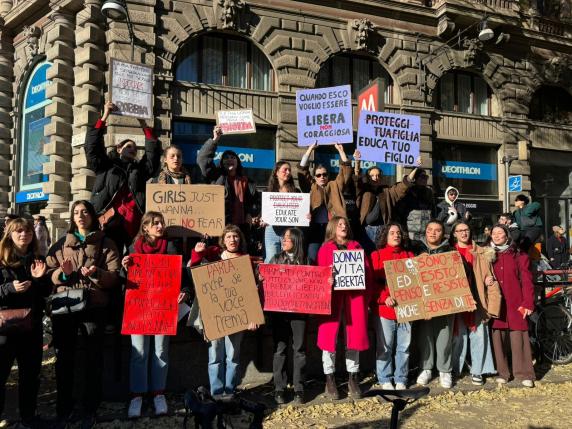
298,246
90,209
382,240
507,233
239,168
452,239
274,185
146,221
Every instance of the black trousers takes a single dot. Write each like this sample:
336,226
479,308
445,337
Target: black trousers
66,329
26,349
285,327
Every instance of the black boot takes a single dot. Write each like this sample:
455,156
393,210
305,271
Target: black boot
354,391
331,389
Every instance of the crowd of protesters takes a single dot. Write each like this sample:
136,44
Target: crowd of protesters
88,267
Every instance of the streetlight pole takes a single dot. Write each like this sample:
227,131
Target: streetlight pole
507,160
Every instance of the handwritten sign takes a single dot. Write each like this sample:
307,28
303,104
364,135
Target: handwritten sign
349,269
324,115
236,121
429,286
189,210
228,298
286,208
296,288
388,137
132,89
153,286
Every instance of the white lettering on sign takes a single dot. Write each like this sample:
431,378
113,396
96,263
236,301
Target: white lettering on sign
40,87
457,169
34,195
244,157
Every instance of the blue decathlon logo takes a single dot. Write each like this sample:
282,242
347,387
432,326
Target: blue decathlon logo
466,170
515,183
36,92
31,196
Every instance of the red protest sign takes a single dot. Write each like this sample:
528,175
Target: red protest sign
429,286
296,288
153,286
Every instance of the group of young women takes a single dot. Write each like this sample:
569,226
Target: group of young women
84,271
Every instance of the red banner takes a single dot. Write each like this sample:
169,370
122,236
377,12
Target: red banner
153,286
296,288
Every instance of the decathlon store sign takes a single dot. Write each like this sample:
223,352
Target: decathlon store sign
31,196
466,170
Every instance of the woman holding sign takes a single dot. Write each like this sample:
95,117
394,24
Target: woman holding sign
224,353
142,379
510,330
85,259
351,304
393,338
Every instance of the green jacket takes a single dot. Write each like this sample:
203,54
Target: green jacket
529,216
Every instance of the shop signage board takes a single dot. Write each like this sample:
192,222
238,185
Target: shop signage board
324,115
236,121
286,208
349,269
389,137
466,170
296,288
132,89
429,286
33,195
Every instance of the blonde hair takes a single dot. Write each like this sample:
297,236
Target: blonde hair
331,228
8,257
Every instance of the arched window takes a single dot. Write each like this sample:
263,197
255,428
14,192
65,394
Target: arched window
225,60
32,139
358,71
465,93
551,104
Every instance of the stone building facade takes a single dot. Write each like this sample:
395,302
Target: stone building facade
478,101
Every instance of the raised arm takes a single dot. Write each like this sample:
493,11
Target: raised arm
151,161
304,176
95,153
206,156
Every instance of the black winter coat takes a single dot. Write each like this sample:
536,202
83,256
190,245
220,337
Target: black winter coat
558,251
111,173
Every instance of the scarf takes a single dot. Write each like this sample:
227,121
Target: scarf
160,247
500,249
165,172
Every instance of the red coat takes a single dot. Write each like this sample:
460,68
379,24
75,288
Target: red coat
512,270
388,253
354,304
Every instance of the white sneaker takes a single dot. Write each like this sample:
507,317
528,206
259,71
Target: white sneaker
400,386
446,380
528,383
387,386
160,405
134,410
424,377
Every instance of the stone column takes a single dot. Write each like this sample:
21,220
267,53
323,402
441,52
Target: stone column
6,77
61,54
89,71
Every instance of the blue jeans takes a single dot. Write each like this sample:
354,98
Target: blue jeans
481,349
224,358
138,369
368,240
272,245
392,337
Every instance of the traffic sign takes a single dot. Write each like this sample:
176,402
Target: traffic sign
515,183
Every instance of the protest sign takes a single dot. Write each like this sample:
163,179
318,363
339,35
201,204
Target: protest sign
296,288
228,298
324,115
132,89
349,269
389,137
429,286
236,121
189,210
153,286
285,208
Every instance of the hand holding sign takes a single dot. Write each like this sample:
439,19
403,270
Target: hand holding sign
349,269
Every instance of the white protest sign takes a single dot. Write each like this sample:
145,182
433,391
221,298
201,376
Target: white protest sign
389,137
236,121
324,115
349,269
285,208
132,89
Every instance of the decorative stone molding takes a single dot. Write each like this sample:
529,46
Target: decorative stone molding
473,48
6,76
445,27
361,31
558,69
229,13
32,34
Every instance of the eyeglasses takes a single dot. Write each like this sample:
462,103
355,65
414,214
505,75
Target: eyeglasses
318,175
463,230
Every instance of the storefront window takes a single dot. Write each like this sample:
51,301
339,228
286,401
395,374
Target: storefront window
355,71
229,61
256,151
32,139
466,93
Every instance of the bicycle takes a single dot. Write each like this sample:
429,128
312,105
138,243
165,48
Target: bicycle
551,326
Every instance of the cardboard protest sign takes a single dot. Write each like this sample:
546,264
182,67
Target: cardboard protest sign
349,269
296,288
132,89
429,286
228,298
324,115
236,121
189,210
286,208
153,286
389,137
